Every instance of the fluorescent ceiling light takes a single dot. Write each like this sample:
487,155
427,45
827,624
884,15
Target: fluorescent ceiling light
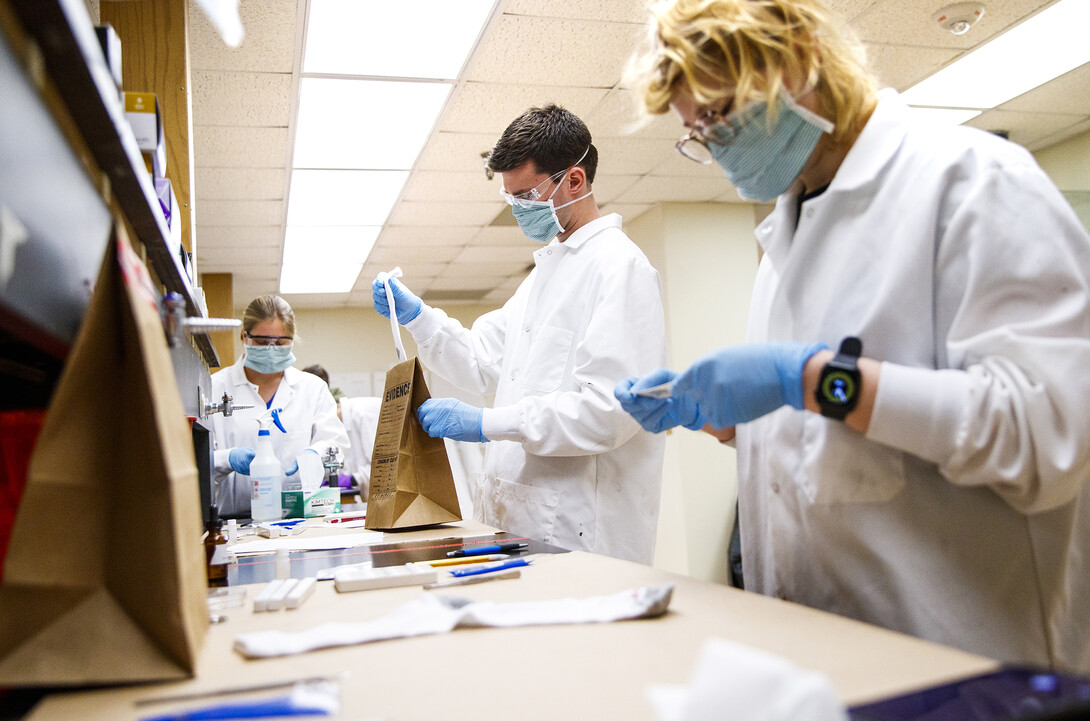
1046,46
325,259
419,39
343,197
944,116
367,124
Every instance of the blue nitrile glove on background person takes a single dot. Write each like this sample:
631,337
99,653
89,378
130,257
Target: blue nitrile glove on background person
407,304
240,459
728,386
451,418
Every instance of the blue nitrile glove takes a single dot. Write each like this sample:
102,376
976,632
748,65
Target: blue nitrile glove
240,459
450,418
740,383
408,305
657,414
295,464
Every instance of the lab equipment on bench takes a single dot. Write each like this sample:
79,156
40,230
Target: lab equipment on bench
367,579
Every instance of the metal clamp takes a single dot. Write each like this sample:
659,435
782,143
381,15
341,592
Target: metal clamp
226,406
177,324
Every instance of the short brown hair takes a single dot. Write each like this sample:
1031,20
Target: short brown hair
550,136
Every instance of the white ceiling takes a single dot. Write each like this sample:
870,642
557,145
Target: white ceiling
450,231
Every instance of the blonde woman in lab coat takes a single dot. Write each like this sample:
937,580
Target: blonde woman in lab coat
912,415
265,379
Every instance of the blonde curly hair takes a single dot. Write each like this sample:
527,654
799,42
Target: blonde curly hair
716,49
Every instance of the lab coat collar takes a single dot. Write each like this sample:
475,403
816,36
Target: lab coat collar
864,164
588,231
284,393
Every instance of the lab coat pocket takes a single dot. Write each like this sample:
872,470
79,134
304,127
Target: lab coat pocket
547,359
843,468
525,510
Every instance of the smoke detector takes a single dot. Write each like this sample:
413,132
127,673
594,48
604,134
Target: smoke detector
959,17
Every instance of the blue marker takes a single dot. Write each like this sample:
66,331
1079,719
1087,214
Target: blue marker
515,563
287,523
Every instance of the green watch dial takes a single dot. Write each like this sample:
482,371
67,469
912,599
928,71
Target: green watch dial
838,387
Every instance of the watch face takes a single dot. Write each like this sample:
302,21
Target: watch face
838,387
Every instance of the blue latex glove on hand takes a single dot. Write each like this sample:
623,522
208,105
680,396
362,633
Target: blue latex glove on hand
741,383
657,414
450,418
408,305
295,464
240,459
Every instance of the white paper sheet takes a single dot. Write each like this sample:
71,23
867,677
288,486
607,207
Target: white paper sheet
303,543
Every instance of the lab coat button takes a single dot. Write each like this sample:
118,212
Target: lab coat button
809,212
775,487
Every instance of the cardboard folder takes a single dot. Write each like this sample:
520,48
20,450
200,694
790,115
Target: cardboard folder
104,580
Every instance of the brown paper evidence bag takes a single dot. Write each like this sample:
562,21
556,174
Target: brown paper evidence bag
411,481
104,580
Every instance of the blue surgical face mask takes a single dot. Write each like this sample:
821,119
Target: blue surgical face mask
763,160
269,358
537,218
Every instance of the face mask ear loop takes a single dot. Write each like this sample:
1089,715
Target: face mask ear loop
808,115
549,200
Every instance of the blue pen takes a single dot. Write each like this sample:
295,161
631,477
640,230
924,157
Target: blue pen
485,550
514,563
287,523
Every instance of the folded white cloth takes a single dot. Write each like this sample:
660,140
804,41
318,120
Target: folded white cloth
438,614
736,681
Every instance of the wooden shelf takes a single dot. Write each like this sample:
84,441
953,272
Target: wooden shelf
66,37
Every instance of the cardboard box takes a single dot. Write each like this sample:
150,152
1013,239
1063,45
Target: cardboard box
142,112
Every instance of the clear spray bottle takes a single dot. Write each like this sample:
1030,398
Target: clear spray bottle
267,477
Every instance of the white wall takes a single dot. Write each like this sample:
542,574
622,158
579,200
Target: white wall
707,256
1068,164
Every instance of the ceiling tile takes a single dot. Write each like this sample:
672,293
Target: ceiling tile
217,146
503,235
631,156
497,254
415,271
620,115
522,49
411,235
241,212
627,211
490,108
653,189
494,269
239,183
267,46
439,185
1026,129
608,187
456,151
249,235
470,282
241,98
624,11
314,300
389,256
901,67
1069,93
674,165
444,214
909,23
228,255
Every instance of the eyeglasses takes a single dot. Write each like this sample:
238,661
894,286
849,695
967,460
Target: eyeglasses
270,339
527,199
694,144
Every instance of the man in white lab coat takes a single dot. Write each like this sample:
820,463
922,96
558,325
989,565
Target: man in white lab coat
564,463
930,474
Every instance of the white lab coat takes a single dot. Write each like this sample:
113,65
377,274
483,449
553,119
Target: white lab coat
566,464
308,414
963,515
360,418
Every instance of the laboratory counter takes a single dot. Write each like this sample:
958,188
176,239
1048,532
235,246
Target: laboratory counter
589,671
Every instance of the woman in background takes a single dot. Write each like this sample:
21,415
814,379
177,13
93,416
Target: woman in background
264,378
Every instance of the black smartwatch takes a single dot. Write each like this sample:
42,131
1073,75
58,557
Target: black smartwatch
838,389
